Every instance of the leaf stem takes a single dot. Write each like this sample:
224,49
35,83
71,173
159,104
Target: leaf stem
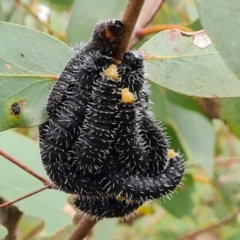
50,185
24,167
158,28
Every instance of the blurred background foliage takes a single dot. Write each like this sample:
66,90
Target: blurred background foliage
206,131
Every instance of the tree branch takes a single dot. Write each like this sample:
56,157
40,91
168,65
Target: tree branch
150,8
24,167
129,20
83,227
212,227
26,196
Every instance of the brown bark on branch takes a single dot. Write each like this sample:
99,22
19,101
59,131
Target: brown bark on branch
24,167
83,227
129,20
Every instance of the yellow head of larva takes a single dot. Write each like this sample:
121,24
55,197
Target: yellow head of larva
111,72
127,96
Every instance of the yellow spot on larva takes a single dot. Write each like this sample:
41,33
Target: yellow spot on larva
111,72
127,96
145,209
171,153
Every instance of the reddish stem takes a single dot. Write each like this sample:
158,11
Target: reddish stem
24,167
158,28
25,196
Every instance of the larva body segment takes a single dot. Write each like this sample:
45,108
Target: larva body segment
58,148
108,207
67,105
106,37
92,147
132,75
127,145
139,187
156,142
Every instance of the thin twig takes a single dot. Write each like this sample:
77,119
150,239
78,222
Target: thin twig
145,18
229,141
129,20
158,28
221,161
226,161
24,167
212,227
83,227
26,196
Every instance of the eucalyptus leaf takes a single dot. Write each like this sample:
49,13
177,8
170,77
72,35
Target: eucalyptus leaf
189,64
60,5
221,20
229,112
104,229
30,62
3,232
190,125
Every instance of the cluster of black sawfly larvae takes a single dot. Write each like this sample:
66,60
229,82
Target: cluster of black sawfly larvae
101,143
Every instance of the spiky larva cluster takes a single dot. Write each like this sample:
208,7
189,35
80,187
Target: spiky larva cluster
101,143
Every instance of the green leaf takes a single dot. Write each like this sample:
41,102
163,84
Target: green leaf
62,233
85,14
29,226
196,25
181,204
159,100
175,62
183,101
196,134
190,131
30,61
231,233
14,182
104,229
3,232
176,142
229,112
59,4
221,20
169,227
